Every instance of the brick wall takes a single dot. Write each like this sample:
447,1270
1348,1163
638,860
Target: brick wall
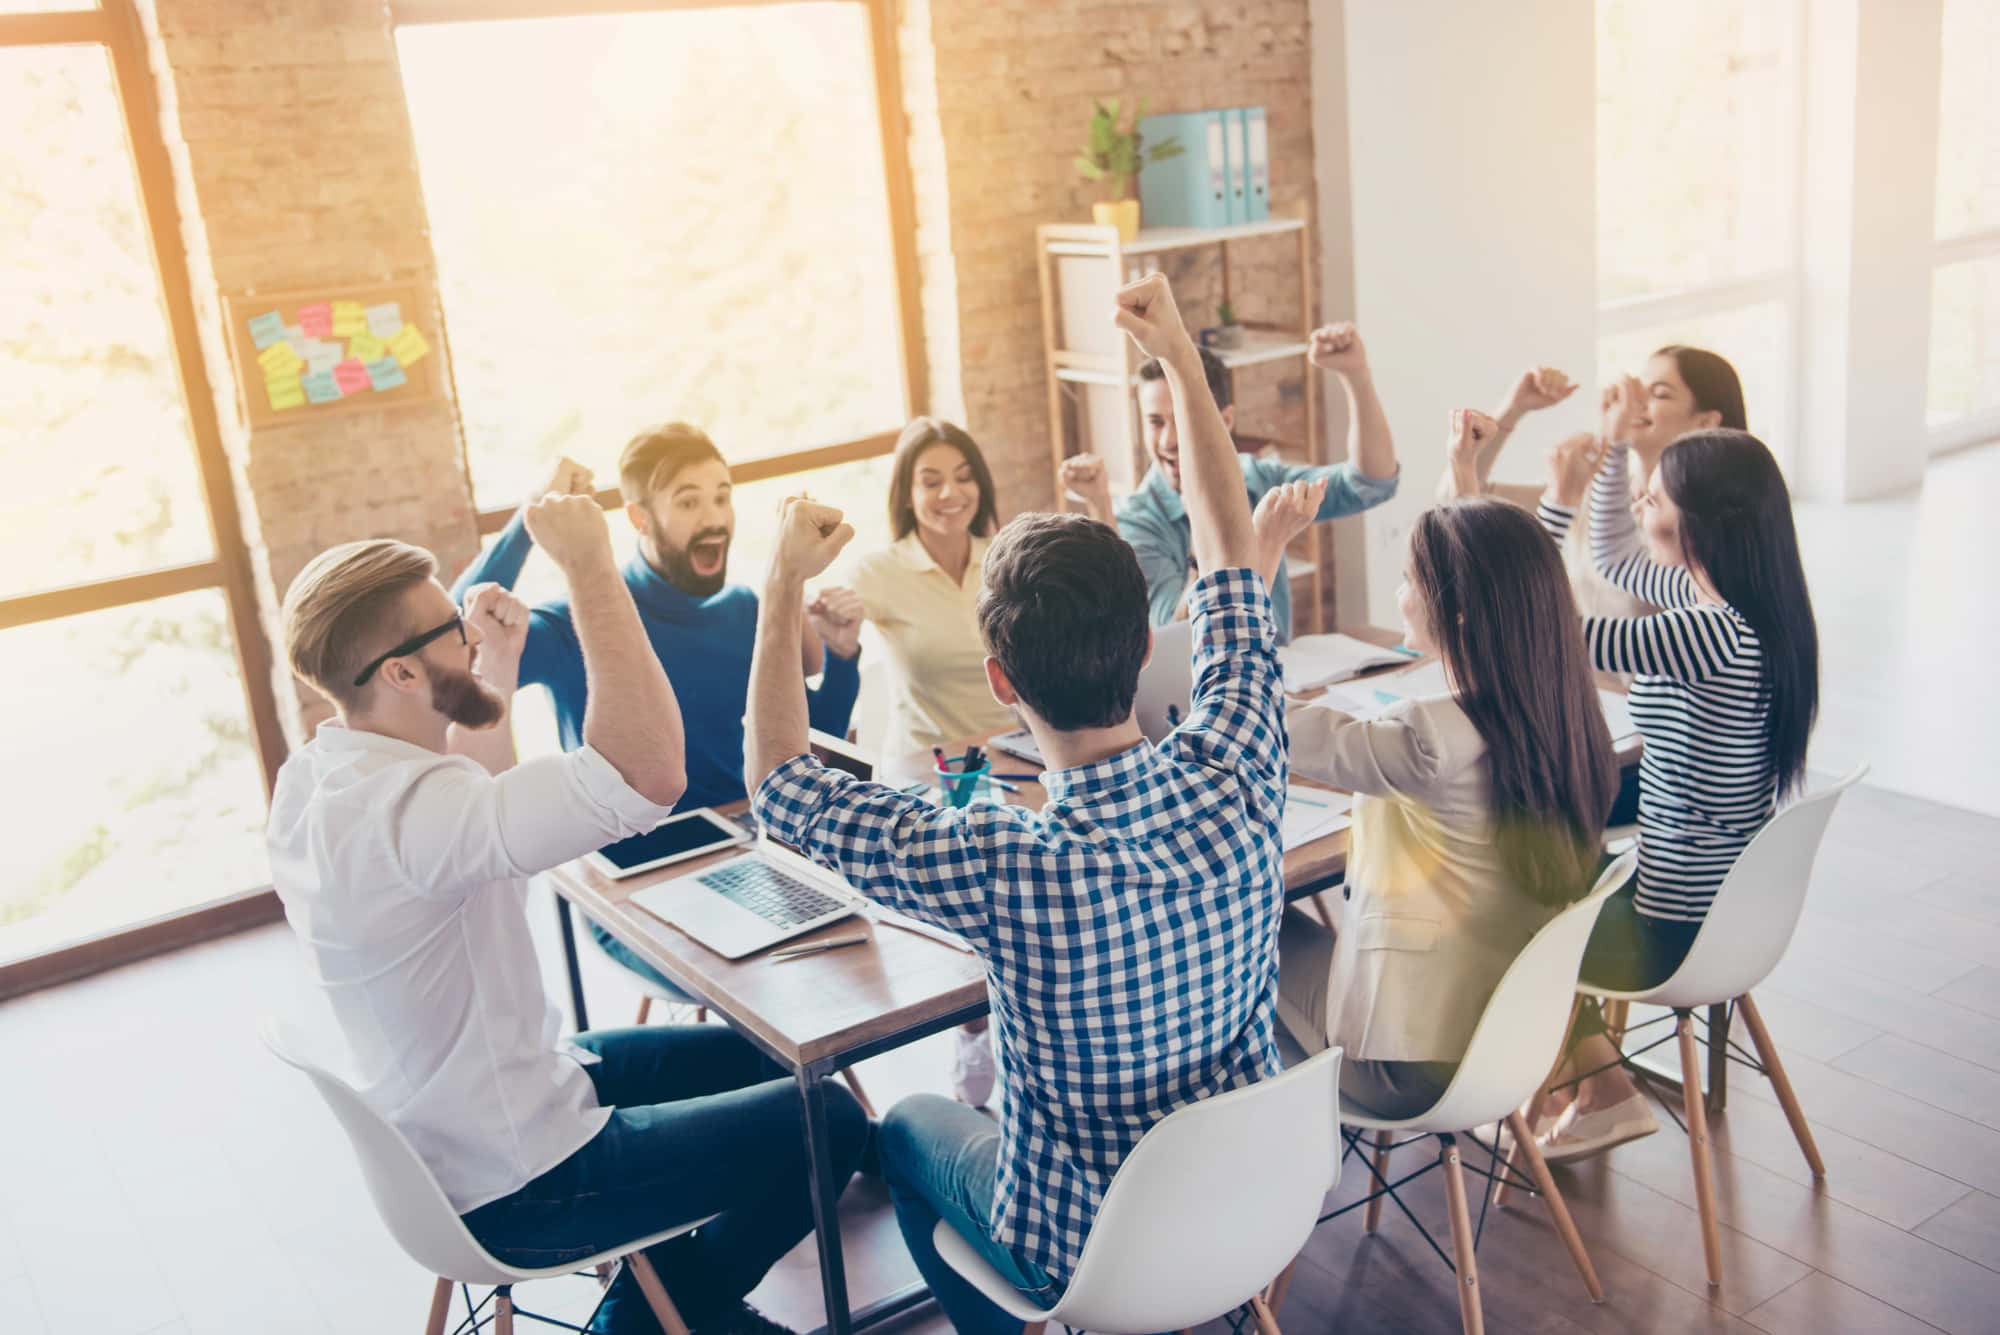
271,201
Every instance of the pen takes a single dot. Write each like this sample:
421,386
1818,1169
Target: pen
944,766
1018,778
818,946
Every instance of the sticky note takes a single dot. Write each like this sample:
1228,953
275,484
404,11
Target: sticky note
386,374
280,359
408,345
285,392
365,347
321,387
348,319
323,357
385,320
266,329
316,320
351,376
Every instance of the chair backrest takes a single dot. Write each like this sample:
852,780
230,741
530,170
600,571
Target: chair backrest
406,1195
1757,907
1522,1028
1210,1205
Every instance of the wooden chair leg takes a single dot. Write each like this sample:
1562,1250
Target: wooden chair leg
1511,1160
1325,916
860,1094
701,1015
1267,1324
440,1307
1372,1216
1696,1111
503,1313
1274,1297
1525,1148
1470,1313
1767,1053
645,1009
663,1307
1034,1328
1617,1014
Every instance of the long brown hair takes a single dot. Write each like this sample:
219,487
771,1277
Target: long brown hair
918,436
1505,622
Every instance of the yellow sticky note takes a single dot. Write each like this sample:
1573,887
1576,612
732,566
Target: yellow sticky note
408,345
364,346
285,392
280,359
349,318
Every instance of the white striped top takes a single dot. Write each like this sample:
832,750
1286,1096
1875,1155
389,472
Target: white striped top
1706,781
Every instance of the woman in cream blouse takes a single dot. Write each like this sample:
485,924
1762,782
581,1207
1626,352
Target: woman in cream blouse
1479,814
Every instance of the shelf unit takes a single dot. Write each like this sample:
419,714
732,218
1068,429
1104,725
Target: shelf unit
1092,369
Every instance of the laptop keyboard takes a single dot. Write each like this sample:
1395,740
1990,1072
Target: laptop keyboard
779,899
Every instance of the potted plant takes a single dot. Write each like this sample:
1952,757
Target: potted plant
1227,333
1114,155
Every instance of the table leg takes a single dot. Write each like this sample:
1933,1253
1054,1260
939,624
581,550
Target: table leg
568,926
1718,1058
825,1199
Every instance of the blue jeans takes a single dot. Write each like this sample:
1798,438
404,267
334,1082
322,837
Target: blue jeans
941,1160
625,955
704,1124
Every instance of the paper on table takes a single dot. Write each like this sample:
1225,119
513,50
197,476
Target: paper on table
1313,813
1317,660
1617,714
1367,699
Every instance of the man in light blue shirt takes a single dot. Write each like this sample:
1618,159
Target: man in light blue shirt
1153,518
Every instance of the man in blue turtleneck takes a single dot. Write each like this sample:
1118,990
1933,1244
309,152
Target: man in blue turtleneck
677,495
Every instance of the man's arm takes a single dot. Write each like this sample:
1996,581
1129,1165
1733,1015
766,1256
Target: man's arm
631,717
1370,448
502,565
1163,562
1218,504
779,726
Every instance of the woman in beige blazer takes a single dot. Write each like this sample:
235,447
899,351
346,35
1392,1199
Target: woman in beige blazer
1478,814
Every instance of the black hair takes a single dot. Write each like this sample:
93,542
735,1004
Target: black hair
1736,526
1212,370
1712,382
1064,611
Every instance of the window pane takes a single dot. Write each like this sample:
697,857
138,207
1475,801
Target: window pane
135,789
1965,340
91,423
656,216
1757,340
44,6
1696,146
1968,178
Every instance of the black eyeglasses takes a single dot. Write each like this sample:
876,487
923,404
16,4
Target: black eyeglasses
411,645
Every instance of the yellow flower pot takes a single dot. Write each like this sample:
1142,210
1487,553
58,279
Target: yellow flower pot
1120,213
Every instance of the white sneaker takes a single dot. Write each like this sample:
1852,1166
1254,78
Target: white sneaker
1581,1136
972,1067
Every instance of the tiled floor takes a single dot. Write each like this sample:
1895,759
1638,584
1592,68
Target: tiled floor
159,1172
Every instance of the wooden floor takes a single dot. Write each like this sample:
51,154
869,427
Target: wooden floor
159,1173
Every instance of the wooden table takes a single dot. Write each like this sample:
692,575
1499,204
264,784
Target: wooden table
819,1014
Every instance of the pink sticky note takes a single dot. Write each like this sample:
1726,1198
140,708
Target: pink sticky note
351,375
316,321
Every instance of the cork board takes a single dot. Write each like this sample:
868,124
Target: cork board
304,356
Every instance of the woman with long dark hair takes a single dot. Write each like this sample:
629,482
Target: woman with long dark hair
1479,813
1725,690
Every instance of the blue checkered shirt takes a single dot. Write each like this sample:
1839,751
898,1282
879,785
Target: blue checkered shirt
1129,928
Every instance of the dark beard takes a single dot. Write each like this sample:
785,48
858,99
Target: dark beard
678,568
465,699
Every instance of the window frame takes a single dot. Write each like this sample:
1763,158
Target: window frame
115,26
1975,428
887,72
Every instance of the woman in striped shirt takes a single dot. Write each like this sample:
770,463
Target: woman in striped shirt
1725,689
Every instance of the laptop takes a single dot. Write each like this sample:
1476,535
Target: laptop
1166,692
744,904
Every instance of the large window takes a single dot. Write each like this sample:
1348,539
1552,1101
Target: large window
647,216
1698,167
139,729
1963,399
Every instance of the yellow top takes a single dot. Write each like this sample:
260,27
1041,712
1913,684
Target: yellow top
929,624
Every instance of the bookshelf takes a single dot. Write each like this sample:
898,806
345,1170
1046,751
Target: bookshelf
1092,369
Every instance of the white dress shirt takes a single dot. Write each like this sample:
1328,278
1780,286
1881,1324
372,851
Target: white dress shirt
405,875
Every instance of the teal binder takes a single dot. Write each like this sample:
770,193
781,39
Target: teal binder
1239,165
1190,190
1257,149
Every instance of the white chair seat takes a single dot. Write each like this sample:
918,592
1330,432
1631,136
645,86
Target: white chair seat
963,1257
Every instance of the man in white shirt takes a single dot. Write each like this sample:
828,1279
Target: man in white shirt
402,836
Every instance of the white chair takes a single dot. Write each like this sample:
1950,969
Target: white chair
1517,1040
1214,1200
1746,933
423,1223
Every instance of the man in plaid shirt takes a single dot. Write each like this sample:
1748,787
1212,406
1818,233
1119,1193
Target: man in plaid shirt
1130,928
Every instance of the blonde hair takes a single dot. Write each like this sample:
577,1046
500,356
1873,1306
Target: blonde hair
334,609
651,458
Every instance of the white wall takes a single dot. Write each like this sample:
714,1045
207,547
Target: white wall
1469,134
